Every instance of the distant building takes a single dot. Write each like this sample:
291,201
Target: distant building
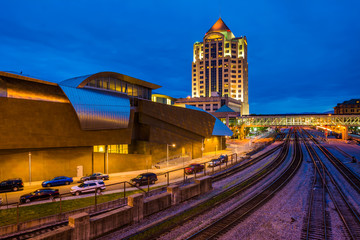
348,107
161,98
103,122
220,66
211,104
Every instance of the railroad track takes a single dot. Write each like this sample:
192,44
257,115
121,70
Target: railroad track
347,212
352,178
236,169
317,220
230,193
36,232
231,219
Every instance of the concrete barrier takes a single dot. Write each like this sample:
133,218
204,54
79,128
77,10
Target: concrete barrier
156,203
205,184
33,224
174,190
137,202
81,226
109,221
189,191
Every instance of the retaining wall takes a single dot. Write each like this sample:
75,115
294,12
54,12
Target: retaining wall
157,203
81,226
109,221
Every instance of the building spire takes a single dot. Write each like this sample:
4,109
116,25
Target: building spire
219,26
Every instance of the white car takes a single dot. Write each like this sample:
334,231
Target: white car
88,186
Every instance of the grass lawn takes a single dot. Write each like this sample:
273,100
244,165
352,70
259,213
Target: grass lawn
26,213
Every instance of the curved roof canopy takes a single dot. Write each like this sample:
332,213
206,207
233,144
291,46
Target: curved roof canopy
80,82
98,110
220,129
219,26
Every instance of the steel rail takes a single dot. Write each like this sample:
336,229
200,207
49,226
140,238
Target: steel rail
349,175
232,218
235,190
316,226
347,213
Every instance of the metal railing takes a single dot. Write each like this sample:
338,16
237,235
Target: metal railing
124,188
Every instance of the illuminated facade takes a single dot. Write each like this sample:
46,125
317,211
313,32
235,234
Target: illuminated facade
348,107
220,66
104,122
161,98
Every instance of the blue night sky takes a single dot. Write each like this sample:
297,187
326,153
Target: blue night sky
303,57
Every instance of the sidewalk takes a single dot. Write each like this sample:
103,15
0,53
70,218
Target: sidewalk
241,148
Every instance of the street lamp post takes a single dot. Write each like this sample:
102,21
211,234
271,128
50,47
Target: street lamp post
167,153
30,168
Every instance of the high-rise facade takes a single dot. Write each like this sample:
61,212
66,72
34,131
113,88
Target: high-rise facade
220,67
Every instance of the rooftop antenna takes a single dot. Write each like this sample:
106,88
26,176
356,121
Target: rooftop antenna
219,9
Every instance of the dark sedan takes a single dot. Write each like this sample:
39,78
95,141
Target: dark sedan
40,194
194,168
58,181
95,176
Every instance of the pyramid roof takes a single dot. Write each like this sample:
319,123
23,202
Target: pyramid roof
219,26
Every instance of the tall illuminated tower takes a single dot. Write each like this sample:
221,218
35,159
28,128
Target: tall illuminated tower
220,65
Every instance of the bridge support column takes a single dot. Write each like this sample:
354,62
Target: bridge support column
227,120
344,132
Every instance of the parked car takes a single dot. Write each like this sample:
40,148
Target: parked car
144,179
214,162
95,176
88,186
11,185
193,168
40,194
223,158
62,180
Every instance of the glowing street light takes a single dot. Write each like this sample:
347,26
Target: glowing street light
167,153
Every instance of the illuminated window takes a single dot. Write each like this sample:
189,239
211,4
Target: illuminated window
120,148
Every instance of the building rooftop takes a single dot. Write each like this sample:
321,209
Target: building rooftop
349,102
219,26
224,109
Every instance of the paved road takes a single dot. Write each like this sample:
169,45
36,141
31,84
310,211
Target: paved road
174,176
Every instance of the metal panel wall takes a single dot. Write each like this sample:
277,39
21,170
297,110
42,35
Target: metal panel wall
97,109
